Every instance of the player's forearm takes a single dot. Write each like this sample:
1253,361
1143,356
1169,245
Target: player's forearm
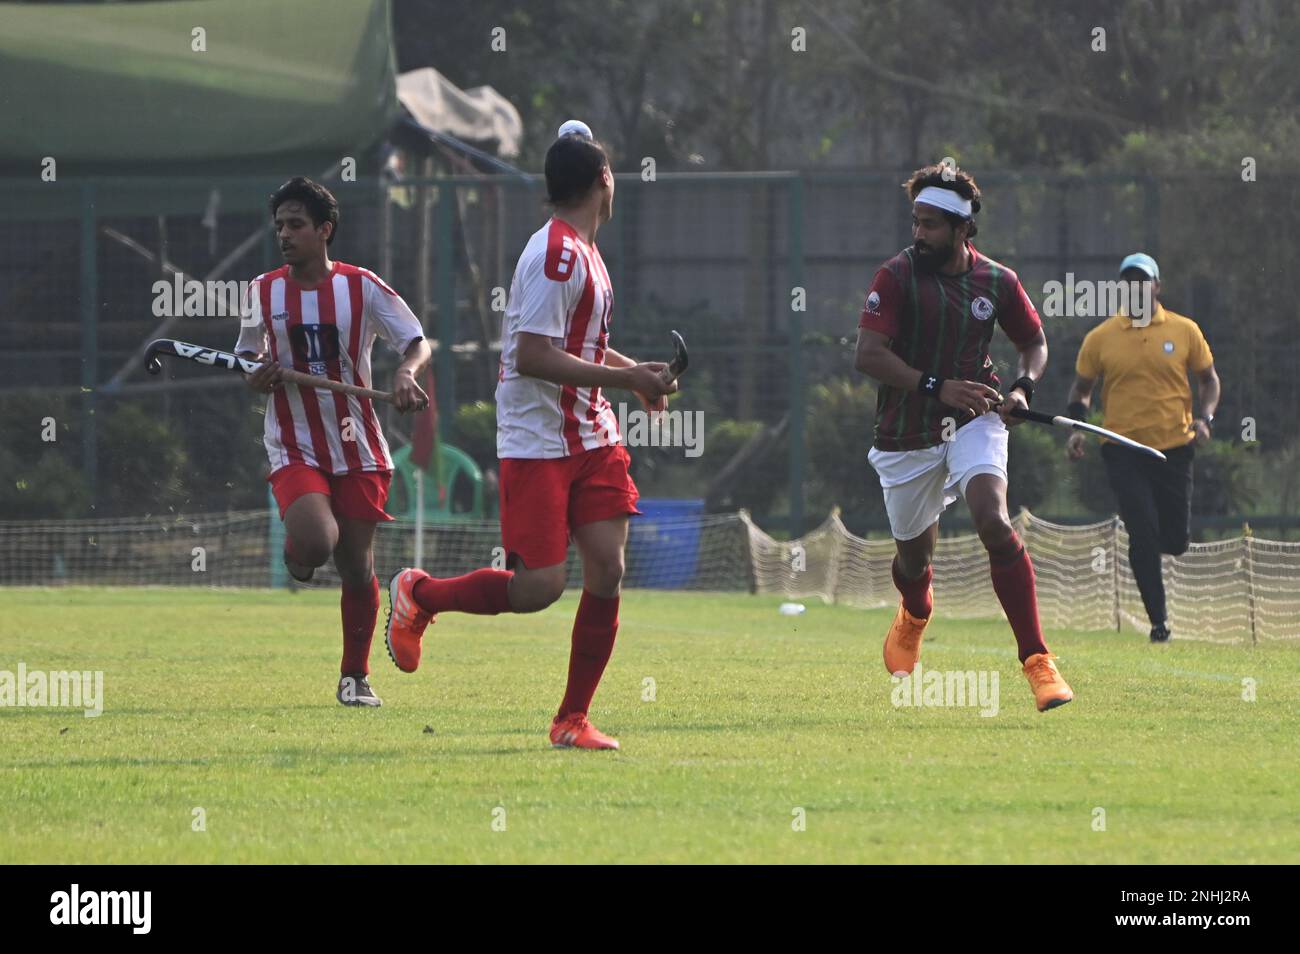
614,359
1079,394
559,367
1034,363
1033,360
888,368
1209,390
417,356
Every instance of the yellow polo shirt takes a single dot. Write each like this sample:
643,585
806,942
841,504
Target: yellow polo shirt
1144,391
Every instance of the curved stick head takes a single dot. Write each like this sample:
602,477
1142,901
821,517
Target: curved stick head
151,362
680,358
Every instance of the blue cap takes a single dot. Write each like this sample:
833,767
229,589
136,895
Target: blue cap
1143,261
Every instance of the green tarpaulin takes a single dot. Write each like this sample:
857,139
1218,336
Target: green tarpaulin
196,88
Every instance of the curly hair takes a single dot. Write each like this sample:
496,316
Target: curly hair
943,176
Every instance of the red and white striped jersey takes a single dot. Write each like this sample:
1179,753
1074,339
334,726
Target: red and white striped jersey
562,290
325,330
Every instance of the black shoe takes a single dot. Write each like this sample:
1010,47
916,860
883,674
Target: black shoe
354,690
1160,633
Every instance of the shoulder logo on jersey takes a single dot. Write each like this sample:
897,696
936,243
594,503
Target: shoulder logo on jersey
981,308
873,302
561,253
1169,347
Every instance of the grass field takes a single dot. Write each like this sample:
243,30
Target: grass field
224,701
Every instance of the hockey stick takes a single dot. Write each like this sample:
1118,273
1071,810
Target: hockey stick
680,360
1059,421
233,362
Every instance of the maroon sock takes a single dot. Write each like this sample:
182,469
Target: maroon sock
360,605
483,593
594,630
916,593
1017,589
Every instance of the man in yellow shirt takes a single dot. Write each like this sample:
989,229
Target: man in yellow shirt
1143,362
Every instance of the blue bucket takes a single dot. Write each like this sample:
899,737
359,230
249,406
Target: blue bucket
664,545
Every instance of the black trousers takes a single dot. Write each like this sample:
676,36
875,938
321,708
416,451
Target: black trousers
1155,502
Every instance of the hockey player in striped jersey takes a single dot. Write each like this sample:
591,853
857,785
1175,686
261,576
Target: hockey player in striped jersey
564,470
330,464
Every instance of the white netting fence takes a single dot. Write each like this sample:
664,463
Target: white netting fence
1244,590
242,548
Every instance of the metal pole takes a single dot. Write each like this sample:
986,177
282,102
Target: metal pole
279,576
1114,568
446,383
796,362
1247,540
419,517
89,341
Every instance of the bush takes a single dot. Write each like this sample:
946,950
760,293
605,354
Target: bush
1223,478
42,480
46,487
838,434
1034,457
475,430
142,463
758,488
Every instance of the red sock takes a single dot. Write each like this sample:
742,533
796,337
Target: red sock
916,593
594,630
1017,589
360,605
483,593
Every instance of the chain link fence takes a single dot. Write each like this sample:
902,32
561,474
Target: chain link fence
763,273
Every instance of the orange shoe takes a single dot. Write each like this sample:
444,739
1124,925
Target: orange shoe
1050,690
406,620
575,732
903,641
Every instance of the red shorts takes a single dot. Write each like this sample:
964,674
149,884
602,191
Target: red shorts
360,495
542,501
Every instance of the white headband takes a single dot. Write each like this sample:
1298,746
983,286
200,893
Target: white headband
945,199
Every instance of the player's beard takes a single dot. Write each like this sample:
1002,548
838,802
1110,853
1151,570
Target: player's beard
930,258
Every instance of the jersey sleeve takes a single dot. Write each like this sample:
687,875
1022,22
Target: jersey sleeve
1088,363
393,318
884,302
1199,356
252,330
549,289
1019,319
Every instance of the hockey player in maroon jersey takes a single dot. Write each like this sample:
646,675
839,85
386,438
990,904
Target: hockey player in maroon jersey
941,422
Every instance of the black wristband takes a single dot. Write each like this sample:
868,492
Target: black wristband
1077,411
1026,384
930,384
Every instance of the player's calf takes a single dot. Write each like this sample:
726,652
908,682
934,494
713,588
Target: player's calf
534,590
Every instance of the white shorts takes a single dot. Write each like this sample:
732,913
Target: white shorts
920,484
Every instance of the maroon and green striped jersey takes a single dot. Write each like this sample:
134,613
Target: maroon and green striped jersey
941,325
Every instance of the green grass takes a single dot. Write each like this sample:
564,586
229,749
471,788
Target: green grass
224,701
